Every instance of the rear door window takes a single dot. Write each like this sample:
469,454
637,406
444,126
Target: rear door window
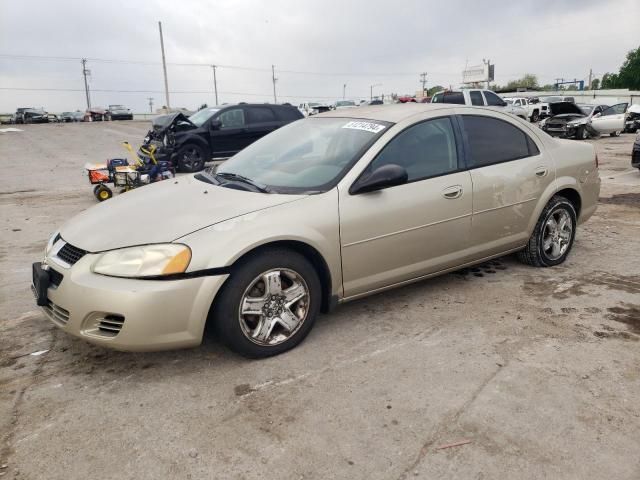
476,97
493,99
494,141
260,115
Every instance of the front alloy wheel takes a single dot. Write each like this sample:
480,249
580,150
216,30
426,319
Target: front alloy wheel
274,307
557,234
268,304
191,158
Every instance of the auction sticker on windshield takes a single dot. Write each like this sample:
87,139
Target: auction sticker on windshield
366,126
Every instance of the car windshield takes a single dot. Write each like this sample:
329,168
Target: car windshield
345,103
551,99
586,109
202,116
306,156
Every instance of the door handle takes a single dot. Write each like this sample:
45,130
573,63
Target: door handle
452,192
542,171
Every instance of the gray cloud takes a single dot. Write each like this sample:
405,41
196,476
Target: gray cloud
367,42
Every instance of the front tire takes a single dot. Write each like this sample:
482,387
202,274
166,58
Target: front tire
535,117
269,303
553,236
615,134
582,133
191,158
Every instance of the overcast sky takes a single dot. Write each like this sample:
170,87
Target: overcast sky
357,42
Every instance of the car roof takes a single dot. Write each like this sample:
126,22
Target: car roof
388,113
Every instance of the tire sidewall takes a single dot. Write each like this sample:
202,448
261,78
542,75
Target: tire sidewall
555,205
227,303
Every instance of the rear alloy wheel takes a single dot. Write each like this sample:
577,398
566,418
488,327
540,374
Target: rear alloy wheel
269,303
191,158
553,235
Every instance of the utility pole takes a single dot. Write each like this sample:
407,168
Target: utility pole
274,79
86,72
150,104
164,68
215,83
344,90
590,77
423,79
559,81
371,90
488,64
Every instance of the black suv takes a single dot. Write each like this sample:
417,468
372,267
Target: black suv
188,142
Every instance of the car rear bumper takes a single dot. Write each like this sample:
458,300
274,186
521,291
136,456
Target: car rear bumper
129,314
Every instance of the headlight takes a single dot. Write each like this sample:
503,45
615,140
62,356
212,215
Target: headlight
165,140
54,238
144,261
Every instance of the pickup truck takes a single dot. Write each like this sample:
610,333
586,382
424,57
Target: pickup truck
534,107
480,98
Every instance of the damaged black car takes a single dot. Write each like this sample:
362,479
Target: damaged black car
214,132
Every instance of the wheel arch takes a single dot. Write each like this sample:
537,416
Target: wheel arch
311,254
574,197
196,139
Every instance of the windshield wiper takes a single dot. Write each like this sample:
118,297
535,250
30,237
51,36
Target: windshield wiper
248,181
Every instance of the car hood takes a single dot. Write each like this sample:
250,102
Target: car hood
163,122
162,212
559,108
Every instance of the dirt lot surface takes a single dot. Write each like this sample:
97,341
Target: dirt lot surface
537,369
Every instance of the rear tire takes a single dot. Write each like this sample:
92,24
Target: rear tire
191,158
264,334
615,134
553,235
535,117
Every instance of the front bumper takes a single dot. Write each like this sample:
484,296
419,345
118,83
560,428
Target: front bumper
129,314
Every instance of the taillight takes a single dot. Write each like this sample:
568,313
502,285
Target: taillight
597,161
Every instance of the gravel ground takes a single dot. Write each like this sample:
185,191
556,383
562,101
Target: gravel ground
537,369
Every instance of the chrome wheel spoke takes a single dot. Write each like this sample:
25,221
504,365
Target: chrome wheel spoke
288,320
556,249
546,244
263,331
272,283
252,306
294,293
552,224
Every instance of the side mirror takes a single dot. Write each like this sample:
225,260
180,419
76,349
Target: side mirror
382,177
215,124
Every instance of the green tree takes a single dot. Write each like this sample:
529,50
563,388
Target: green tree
629,74
595,83
432,90
529,80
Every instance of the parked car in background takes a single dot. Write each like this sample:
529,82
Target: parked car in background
478,98
635,153
189,142
535,109
19,115
583,121
32,115
119,112
76,116
376,102
632,122
95,114
325,210
53,118
313,108
344,104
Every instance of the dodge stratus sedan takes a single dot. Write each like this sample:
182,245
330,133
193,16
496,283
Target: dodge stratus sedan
322,211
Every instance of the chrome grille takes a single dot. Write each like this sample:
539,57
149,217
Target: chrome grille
110,325
70,254
56,313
